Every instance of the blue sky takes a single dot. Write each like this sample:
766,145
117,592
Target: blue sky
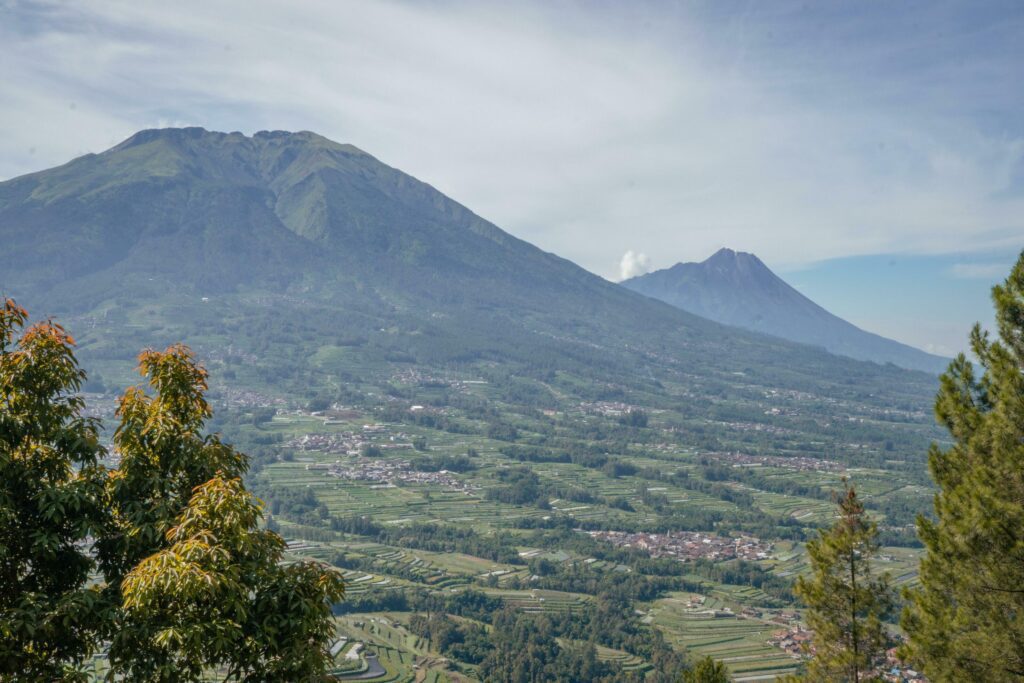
829,138
927,301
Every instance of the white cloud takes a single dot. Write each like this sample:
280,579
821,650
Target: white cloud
632,264
582,129
979,271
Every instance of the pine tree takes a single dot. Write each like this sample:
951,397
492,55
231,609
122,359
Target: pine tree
50,504
707,670
846,599
966,620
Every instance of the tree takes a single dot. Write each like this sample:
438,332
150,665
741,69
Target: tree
707,670
846,600
966,620
218,598
163,458
50,492
197,585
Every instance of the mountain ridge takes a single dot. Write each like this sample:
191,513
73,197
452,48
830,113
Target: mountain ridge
736,288
314,255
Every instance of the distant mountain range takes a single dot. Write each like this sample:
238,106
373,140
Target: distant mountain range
321,266
737,288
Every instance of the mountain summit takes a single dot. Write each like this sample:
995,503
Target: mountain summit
319,264
737,288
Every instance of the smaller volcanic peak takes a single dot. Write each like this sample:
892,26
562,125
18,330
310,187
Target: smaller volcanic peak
737,288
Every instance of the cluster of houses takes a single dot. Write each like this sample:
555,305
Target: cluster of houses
896,671
101,406
390,473
417,377
351,442
795,462
233,397
607,408
690,545
797,642
761,427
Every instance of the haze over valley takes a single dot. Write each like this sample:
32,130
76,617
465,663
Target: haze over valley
577,343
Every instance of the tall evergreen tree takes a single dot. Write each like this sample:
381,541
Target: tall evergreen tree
707,670
966,620
50,491
846,599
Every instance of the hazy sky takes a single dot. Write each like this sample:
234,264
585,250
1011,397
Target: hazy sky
827,138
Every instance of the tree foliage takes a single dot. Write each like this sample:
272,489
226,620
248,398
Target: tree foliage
846,599
707,670
50,484
219,598
200,585
163,458
966,621
188,581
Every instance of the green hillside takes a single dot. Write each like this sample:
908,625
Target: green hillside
280,244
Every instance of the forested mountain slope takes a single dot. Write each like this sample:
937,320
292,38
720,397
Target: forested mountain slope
308,256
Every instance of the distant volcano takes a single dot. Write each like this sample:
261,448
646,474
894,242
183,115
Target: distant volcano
736,288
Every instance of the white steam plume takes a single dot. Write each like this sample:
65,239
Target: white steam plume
633,263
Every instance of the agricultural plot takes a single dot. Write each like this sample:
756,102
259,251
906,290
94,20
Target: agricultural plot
742,595
627,661
901,564
790,559
436,570
593,481
390,504
538,601
708,629
807,510
403,656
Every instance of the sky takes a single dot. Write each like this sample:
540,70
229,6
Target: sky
871,153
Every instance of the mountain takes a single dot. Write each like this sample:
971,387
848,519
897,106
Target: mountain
305,265
737,288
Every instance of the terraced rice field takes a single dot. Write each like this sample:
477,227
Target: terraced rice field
901,563
404,656
790,559
606,654
807,510
540,600
738,642
627,661
395,505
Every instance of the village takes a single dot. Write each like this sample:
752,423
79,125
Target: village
797,641
389,473
690,545
795,462
351,442
607,408
418,377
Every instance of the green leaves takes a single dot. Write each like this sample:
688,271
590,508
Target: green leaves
966,620
707,670
846,600
49,503
192,582
200,583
